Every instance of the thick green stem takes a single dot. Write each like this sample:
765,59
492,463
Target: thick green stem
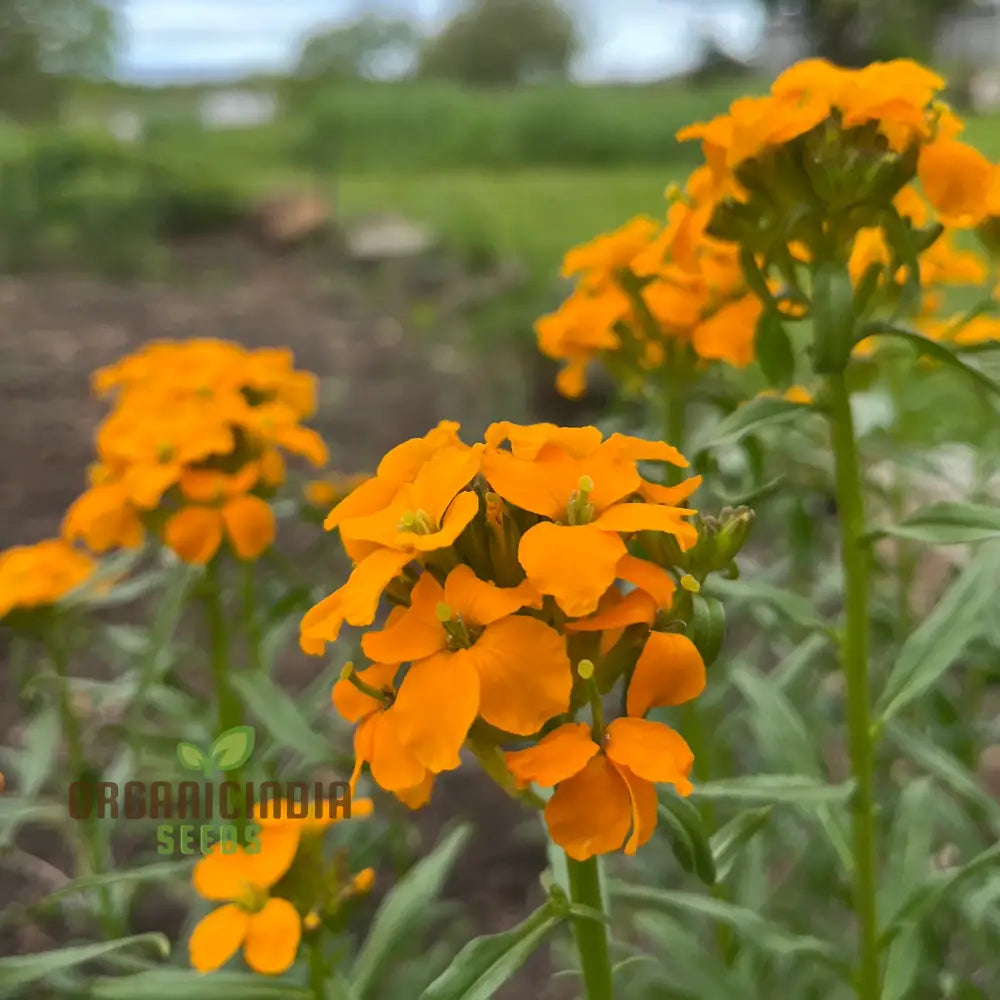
591,936
93,851
251,613
855,663
317,969
230,711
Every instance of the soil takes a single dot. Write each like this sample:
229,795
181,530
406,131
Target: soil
381,382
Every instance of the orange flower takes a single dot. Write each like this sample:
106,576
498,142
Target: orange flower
34,576
958,181
604,790
196,532
583,486
376,738
470,655
268,928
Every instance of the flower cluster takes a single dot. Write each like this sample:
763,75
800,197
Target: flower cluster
266,906
507,564
652,296
193,446
36,576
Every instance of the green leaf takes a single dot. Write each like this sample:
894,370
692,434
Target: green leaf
786,603
232,748
486,963
902,964
727,843
910,845
16,809
949,769
949,523
773,349
18,971
936,890
161,871
763,411
401,908
934,350
774,789
191,756
170,984
683,818
281,717
959,617
748,923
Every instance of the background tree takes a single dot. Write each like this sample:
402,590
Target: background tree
44,43
502,42
854,32
368,48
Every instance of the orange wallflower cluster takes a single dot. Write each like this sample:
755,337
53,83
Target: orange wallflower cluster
193,446
36,576
254,885
505,563
649,290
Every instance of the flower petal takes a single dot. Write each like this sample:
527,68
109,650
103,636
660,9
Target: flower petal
356,602
669,671
222,876
648,577
591,812
635,607
278,846
556,757
642,795
273,937
456,519
394,767
414,634
524,674
217,937
353,703
195,534
437,703
629,517
250,525
652,751
479,602
574,563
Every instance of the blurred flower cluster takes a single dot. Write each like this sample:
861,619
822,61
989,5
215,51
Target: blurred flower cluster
806,208
193,447
517,603
37,576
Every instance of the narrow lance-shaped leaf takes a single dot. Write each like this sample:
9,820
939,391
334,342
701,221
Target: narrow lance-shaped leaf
949,523
402,907
486,963
960,616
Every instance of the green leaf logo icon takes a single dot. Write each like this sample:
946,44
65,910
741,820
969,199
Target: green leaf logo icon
233,748
190,756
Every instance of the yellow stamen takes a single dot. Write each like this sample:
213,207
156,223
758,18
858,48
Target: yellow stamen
690,584
585,668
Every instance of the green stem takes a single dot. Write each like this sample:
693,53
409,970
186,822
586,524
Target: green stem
230,712
250,612
93,852
855,662
317,969
591,936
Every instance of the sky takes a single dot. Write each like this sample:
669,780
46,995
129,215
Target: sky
167,40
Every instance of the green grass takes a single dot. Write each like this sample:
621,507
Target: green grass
531,215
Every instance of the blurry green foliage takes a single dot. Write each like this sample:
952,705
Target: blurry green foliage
441,125
77,197
42,44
